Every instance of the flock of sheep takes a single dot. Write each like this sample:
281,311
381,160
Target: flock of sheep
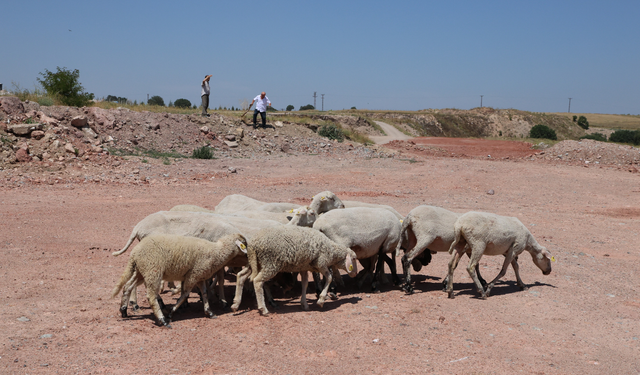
193,245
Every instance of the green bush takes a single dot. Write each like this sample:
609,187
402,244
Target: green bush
595,136
306,107
583,123
290,107
156,100
575,118
45,101
203,152
182,103
64,85
543,131
625,136
331,132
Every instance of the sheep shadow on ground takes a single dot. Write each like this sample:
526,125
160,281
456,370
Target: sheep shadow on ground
502,287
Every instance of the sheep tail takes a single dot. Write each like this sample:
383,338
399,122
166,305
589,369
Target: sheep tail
129,272
131,239
405,225
458,233
253,263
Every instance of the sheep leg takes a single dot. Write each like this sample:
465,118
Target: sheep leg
337,280
241,278
205,299
379,267
304,278
152,296
391,262
507,260
220,280
318,283
258,283
267,292
453,263
407,260
127,289
186,290
323,296
516,269
368,266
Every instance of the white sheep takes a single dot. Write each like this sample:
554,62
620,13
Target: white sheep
425,228
237,202
370,232
190,208
352,204
203,225
305,216
492,234
190,260
292,249
325,201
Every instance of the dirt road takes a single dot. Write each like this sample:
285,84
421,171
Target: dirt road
393,134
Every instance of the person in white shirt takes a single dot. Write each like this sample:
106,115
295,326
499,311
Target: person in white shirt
204,93
262,102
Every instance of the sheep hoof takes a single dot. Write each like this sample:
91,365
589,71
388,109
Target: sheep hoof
524,287
333,296
408,289
211,315
264,312
165,322
123,311
224,304
234,307
451,295
136,307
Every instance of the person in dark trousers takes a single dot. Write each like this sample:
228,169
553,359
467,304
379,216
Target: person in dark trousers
262,102
204,93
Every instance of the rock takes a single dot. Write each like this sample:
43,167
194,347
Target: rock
69,148
23,156
230,137
278,124
240,133
89,132
24,319
11,105
231,144
24,129
232,170
79,121
205,129
491,192
46,119
37,134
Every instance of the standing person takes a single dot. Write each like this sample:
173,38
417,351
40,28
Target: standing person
262,102
204,93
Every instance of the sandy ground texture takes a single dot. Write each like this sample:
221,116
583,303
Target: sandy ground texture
57,272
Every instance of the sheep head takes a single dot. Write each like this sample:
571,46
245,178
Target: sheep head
542,258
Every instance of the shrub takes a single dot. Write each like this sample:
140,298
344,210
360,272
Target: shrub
543,131
595,136
306,107
203,152
625,136
331,132
156,100
45,101
353,107
182,103
583,123
64,84
290,107
575,118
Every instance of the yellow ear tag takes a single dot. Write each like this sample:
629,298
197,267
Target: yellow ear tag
291,211
323,198
350,268
242,246
401,221
553,259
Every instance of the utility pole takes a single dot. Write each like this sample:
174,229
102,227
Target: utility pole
481,100
569,105
314,100
147,98
322,102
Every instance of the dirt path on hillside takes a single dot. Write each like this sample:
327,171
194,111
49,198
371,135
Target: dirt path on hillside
57,272
393,134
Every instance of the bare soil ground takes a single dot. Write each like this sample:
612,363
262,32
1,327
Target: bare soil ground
57,232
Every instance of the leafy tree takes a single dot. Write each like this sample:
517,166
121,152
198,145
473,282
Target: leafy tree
583,123
595,136
290,107
182,103
306,107
117,99
156,100
625,136
170,104
575,118
543,131
65,85
353,107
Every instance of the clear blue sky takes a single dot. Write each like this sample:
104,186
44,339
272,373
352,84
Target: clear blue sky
395,55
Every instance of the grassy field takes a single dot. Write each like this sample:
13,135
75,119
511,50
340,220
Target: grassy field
597,120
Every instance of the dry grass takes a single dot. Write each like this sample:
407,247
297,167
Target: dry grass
598,120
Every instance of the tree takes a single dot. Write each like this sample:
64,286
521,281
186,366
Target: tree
353,107
290,107
306,107
182,103
583,123
156,100
65,85
543,131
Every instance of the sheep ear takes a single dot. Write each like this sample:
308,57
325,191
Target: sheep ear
349,263
241,246
323,198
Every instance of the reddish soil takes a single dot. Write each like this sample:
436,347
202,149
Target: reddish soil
465,147
57,272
